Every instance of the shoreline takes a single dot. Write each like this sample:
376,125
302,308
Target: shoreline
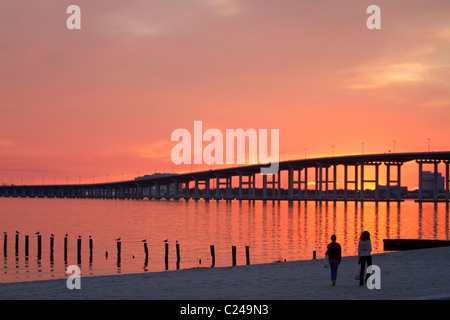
404,275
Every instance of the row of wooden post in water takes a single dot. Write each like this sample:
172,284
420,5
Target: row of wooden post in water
119,250
39,246
177,246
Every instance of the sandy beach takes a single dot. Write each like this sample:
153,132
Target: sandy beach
416,274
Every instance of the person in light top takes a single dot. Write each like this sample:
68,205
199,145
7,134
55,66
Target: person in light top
364,254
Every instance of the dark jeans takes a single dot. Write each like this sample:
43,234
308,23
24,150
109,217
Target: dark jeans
364,260
334,264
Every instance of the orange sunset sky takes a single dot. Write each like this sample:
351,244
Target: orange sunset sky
93,104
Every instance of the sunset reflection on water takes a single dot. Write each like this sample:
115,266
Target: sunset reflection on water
274,231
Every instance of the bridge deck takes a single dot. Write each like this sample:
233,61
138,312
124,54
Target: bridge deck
325,183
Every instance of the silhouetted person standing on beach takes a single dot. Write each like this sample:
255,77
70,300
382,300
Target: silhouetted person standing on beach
364,250
334,256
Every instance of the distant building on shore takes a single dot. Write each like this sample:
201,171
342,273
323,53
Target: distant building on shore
155,175
151,191
428,181
392,190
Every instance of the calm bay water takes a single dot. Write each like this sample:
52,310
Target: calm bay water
274,231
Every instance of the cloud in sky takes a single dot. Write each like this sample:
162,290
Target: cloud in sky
227,7
139,69
375,76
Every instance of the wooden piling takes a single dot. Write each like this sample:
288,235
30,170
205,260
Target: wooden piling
233,251
79,250
17,244
213,256
52,241
314,255
27,239
65,248
5,244
146,251
178,255
119,249
91,248
247,254
39,246
166,257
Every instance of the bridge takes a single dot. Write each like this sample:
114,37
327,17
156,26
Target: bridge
217,184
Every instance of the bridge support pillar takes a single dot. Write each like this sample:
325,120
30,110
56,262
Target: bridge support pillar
138,194
290,183
175,190
389,179
274,181
250,183
157,191
347,182
321,181
226,183
377,182
186,190
167,191
240,186
296,183
362,183
264,192
435,185
435,191
207,190
334,182
305,183
447,180
229,190
363,179
318,182
196,189
420,180
217,187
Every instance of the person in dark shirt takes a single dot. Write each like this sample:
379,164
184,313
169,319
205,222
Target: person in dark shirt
334,256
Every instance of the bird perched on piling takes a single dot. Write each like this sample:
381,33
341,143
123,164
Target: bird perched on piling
38,232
